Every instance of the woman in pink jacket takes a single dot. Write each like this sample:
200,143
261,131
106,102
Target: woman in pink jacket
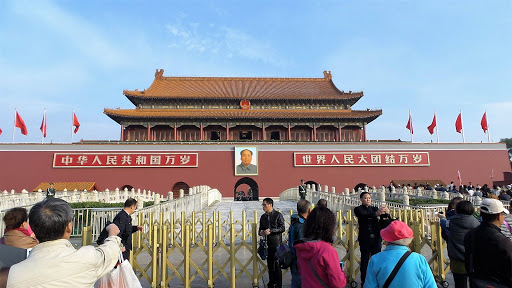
317,260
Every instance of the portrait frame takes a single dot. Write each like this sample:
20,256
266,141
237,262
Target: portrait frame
251,169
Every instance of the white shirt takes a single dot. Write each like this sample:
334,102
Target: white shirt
57,263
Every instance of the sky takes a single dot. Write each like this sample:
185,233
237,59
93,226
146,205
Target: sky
423,56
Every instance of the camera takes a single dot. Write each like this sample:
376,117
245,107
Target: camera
342,265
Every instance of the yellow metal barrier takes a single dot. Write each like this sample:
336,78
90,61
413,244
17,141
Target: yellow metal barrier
86,235
201,250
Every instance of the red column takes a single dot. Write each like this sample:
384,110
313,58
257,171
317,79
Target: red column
314,132
289,132
263,130
149,132
227,131
175,133
364,132
122,132
201,132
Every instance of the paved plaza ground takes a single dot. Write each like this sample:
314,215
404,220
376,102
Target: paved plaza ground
237,207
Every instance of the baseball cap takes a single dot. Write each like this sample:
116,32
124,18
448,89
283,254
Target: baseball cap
509,186
492,206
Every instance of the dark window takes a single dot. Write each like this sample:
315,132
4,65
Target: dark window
245,135
275,135
214,135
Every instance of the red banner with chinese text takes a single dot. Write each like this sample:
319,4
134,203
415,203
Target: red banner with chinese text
361,159
124,160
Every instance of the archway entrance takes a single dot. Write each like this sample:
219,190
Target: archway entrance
129,187
248,187
312,183
176,189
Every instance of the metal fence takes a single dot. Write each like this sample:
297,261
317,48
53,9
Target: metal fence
200,251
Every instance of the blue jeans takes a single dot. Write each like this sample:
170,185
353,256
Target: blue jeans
296,278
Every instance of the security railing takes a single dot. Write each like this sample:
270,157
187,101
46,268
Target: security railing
202,251
198,198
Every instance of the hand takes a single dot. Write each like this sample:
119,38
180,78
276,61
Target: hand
123,249
113,230
139,228
267,232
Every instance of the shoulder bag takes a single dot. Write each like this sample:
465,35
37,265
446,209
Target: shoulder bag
395,270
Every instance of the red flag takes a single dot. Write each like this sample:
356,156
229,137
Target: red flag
409,124
433,125
0,131
458,123
43,125
75,122
20,124
458,176
484,122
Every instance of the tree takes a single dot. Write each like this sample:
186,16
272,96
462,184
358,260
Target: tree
508,142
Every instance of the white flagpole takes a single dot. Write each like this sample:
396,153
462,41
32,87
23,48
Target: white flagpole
437,129
462,124
72,120
14,126
488,130
410,121
44,126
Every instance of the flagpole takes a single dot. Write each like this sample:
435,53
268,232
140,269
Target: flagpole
488,130
72,119
437,129
411,128
44,126
14,126
462,124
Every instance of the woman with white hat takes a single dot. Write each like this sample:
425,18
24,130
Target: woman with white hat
409,268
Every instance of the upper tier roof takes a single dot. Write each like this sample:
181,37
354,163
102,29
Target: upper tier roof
243,88
117,114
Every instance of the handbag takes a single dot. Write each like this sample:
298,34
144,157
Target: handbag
263,248
122,276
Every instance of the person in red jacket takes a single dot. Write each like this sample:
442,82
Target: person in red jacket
317,260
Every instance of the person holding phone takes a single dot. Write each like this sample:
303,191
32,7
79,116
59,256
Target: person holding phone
370,241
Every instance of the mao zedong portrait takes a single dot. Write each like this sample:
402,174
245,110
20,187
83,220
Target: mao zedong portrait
245,167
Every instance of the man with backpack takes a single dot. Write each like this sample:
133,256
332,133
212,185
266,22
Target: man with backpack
295,232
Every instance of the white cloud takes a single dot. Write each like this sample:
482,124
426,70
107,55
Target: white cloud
79,33
227,41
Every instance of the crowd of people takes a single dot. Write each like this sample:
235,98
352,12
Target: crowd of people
53,261
479,245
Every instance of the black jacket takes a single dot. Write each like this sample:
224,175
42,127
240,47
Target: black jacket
275,221
368,223
124,222
459,225
493,254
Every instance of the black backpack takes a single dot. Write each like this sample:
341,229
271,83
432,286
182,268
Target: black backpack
103,234
284,256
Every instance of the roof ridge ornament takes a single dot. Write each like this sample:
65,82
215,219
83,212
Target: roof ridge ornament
327,75
159,74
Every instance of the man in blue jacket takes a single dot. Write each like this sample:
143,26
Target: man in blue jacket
295,232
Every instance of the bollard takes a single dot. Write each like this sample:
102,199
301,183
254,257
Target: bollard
164,256
210,255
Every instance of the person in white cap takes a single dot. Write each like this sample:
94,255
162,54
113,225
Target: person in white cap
488,253
414,270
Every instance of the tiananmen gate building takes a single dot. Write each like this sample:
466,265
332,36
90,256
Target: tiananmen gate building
235,133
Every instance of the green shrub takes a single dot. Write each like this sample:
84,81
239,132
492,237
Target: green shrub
416,202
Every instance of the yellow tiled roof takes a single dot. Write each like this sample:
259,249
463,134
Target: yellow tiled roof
241,114
70,186
243,88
